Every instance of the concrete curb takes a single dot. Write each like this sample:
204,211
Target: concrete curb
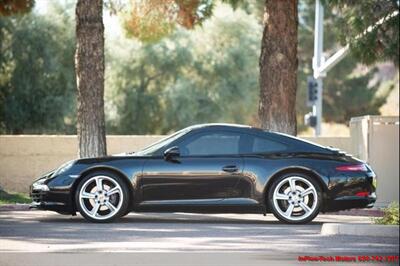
14,207
360,229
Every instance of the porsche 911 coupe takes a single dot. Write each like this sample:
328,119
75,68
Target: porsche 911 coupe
211,168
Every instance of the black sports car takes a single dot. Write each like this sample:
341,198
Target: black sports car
212,168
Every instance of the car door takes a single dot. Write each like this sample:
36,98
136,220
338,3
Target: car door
206,171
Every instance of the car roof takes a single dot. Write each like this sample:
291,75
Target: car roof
277,136
226,126
233,127
218,125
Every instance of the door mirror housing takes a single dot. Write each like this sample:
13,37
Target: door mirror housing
171,153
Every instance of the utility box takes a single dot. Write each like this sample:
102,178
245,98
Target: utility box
375,140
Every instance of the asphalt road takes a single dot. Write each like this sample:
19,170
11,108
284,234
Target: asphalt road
254,236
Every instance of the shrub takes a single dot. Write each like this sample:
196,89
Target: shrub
390,215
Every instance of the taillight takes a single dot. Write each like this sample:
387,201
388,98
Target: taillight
352,168
362,194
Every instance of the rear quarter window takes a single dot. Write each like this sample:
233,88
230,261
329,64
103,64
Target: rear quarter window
263,145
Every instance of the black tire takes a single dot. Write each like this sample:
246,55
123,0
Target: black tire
128,211
125,199
278,212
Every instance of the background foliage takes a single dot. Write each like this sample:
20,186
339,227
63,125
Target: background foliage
355,17
37,79
208,74
203,72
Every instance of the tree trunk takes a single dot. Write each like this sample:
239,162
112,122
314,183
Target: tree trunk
278,67
89,67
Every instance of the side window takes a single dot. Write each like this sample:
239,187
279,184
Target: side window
218,143
261,145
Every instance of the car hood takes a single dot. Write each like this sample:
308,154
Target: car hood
109,158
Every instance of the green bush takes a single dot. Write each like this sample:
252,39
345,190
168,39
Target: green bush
390,215
13,198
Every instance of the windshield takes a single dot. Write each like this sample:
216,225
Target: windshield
150,150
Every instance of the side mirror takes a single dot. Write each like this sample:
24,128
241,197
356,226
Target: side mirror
171,153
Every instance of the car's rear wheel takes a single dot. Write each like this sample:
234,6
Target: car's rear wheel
102,197
295,198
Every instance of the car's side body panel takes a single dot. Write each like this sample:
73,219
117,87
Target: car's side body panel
193,178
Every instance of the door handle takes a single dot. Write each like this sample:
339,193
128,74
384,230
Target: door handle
230,168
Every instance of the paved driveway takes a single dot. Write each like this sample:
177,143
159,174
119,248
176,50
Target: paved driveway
46,231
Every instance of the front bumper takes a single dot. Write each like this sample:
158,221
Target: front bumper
43,198
49,206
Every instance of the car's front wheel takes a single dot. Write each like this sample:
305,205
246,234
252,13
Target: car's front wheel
102,197
295,198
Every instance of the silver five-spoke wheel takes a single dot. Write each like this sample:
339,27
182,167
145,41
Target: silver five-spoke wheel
100,197
295,199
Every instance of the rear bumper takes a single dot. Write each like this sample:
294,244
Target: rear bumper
352,190
351,202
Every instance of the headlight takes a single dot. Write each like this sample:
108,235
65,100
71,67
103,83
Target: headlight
39,185
63,168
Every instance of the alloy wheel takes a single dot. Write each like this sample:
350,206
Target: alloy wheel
295,198
101,197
